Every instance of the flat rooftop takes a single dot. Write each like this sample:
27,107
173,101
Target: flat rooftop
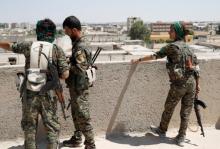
141,141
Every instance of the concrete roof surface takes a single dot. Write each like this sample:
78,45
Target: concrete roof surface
142,141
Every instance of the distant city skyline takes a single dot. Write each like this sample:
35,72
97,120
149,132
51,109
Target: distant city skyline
102,11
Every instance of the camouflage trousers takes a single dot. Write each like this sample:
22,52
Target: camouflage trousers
33,106
81,115
179,92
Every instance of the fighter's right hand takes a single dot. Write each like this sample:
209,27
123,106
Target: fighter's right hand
135,61
198,88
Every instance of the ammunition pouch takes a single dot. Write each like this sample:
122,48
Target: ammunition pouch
91,74
77,79
35,79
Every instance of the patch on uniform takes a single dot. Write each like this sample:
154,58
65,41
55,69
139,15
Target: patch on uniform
80,57
79,52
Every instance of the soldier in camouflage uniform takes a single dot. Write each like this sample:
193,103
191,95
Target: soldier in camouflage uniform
183,70
34,104
79,86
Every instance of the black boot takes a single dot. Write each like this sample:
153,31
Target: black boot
158,131
90,146
74,141
179,139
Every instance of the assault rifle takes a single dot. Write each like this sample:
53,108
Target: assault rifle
198,103
53,83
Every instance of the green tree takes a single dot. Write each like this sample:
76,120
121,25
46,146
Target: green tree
139,31
218,31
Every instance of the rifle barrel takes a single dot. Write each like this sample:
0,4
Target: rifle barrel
198,116
96,54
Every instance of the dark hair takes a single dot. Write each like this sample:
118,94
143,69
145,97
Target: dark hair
72,22
46,30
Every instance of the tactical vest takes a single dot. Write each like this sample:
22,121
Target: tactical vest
78,46
182,64
89,72
78,77
36,76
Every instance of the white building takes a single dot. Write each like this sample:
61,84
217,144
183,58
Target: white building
131,21
200,25
26,26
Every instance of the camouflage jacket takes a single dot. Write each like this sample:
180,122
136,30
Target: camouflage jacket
58,56
80,61
181,61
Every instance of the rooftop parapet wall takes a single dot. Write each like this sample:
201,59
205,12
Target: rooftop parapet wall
142,93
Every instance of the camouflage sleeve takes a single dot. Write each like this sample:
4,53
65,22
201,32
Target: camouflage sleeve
168,50
61,61
22,48
161,53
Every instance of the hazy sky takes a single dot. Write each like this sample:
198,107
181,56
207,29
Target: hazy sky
100,11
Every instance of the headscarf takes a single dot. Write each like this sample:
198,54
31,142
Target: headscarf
179,30
45,30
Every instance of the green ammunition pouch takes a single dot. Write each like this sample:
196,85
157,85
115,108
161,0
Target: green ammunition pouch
77,79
